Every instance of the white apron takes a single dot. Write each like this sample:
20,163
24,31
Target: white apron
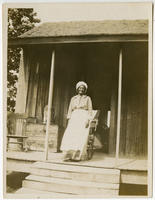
76,134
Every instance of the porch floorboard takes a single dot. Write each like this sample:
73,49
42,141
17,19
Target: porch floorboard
98,160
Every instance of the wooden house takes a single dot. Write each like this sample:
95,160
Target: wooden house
111,56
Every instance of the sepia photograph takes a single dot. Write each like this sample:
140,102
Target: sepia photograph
78,100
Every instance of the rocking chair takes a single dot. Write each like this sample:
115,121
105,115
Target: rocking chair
92,130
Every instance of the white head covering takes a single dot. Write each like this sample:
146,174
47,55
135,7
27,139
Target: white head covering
81,83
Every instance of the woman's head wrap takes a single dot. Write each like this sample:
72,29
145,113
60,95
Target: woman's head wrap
80,83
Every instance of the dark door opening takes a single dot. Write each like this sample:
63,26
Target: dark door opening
97,65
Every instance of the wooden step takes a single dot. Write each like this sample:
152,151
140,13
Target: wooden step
39,194
76,172
69,186
69,167
28,192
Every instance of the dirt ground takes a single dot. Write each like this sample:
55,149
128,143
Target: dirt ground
14,181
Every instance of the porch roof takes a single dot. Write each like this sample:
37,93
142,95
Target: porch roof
109,27
54,32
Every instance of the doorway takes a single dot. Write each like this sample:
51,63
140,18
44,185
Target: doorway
97,65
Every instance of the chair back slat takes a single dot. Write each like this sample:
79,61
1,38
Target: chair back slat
95,114
94,119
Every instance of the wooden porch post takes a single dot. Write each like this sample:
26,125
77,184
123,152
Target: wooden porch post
119,108
50,98
22,86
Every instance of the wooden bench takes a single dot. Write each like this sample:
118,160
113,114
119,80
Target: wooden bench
16,139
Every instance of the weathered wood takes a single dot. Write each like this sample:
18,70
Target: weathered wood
79,39
65,189
76,172
16,126
150,120
73,183
37,143
76,168
123,116
134,177
134,101
19,165
35,90
36,137
69,186
39,129
113,125
77,60
76,176
119,107
27,74
40,194
16,142
16,136
38,90
43,83
22,86
50,98
33,85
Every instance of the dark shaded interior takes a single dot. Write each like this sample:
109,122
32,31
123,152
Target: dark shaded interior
97,64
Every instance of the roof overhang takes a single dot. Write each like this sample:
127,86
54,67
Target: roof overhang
78,39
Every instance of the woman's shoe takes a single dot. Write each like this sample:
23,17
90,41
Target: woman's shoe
67,160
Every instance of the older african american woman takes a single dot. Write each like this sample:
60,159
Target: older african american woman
74,142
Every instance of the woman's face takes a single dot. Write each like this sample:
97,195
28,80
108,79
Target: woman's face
81,90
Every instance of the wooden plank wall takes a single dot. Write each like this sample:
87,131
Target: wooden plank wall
134,100
33,85
37,97
43,82
23,80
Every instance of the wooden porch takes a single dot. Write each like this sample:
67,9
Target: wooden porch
99,160
99,174
22,161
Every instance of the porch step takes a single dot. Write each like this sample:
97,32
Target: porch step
73,172
69,186
73,179
27,192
